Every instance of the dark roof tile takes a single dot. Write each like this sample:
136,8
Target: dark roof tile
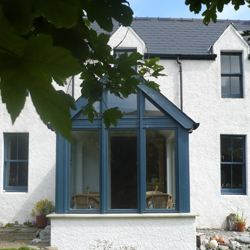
179,36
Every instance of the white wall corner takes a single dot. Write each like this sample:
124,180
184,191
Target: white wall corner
230,40
127,38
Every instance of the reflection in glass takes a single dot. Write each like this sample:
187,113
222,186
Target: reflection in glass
128,106
235,85
12,174
225,85
226,176
151,109
231,176
122,169
160,169
84,170
226,149
237,176
225,64
235,64
237,149
22,147
230,64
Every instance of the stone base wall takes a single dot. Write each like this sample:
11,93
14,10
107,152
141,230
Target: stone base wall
137,231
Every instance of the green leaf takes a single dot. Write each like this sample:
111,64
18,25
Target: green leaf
111,116
62,13
68,99
19,14
10,43
118,9
42,57
60,82
52,107
90,111
13,92
153,85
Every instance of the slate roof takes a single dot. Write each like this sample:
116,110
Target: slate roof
180,36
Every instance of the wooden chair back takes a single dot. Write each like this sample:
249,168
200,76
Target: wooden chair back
84,201
159,201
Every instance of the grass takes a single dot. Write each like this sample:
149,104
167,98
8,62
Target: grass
8,225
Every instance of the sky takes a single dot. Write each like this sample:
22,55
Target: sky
178,9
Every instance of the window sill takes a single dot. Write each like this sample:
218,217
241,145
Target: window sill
146,215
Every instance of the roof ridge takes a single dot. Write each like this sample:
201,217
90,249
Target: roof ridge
186,19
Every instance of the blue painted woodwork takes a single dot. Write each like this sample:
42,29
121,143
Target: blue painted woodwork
235,191
174,119
232,74
14,160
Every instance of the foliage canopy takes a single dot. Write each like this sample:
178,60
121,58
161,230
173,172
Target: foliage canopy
44,41
212,6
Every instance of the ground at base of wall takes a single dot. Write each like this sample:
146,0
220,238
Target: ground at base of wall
14,237
235,240
18,236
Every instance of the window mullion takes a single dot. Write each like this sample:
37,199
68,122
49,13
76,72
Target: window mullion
142,153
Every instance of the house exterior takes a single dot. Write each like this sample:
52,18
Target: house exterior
204,168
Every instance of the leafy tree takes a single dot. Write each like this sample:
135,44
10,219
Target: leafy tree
212,6
46,40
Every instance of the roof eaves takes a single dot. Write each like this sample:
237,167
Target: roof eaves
181,56
169,108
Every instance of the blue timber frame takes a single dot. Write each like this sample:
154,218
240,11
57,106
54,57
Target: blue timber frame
174,119
235,191
13,188
229,74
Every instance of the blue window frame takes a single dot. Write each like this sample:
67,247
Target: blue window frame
107,163
231,75
233,166
16,148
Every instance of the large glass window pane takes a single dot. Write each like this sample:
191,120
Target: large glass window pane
22,147
235,64
237,176
225,64
225,85
151,109
22,174
160,169
12,174
84,170
12,147
226,149
237,149
128,106
235,85
225,176
122,169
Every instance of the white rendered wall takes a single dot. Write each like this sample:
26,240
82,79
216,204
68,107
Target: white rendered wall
16,206
142,232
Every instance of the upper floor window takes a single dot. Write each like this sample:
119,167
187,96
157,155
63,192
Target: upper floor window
233,170
231,75
16,162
